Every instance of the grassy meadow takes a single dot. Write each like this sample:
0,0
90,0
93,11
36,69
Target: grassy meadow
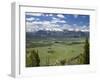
55,52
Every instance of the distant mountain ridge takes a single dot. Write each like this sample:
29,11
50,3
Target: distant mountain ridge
59,34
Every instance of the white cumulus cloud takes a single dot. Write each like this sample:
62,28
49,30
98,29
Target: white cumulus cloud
30,19
55,20
34,14
60,16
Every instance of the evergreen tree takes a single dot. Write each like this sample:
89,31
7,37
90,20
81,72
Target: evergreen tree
86,52
35,58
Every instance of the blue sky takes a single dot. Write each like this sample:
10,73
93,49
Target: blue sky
53,21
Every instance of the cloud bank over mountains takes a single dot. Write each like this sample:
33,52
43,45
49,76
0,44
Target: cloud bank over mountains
56,22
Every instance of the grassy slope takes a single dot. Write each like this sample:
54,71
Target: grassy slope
60,51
